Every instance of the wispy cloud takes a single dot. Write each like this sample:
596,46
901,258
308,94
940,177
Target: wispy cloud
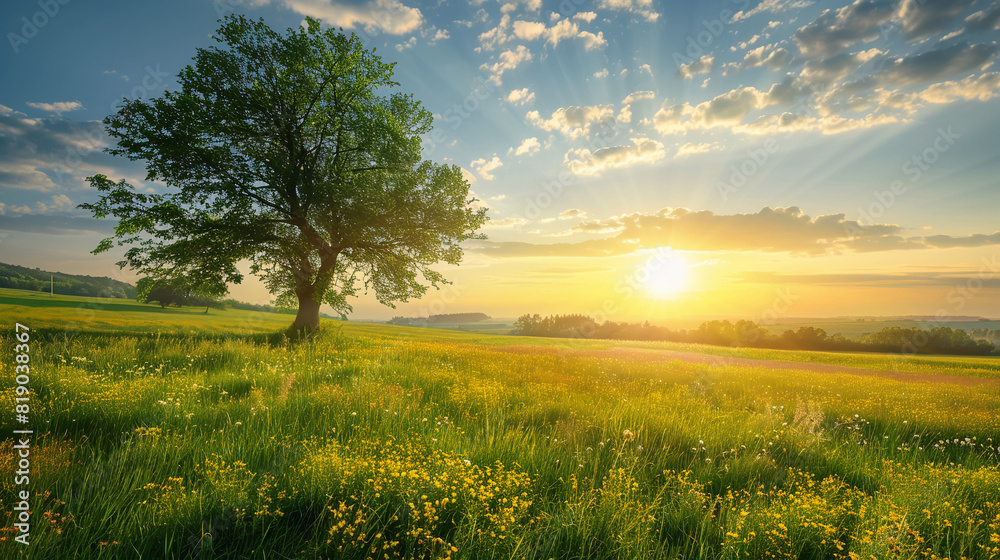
58,107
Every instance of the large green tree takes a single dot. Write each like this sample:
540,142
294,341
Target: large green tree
290,152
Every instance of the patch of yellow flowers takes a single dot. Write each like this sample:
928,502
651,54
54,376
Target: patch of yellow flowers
393,500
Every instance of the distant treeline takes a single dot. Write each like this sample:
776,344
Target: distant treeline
33,279
992,337
941,340
445,318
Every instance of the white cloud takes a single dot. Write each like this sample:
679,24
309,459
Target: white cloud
834,31
585,16
601,73
701,66
409,44
44,154
563,29
570,214
528,30
6,111
496,37
820,74
924,18
771,6
727,109
982,88
387,16
638,96
984,20
530,5
584,162
668,119
690,148
115,73
505,223
520,96
972,88
923,68
508,61
749,42
625,115
58,107
59,202
529,146
485,168
573,122
13,210
938,63
639,7
837,90
766,55
591,41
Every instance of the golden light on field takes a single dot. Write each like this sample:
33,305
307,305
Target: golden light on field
666,275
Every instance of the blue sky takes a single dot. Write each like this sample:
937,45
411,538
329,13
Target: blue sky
745,136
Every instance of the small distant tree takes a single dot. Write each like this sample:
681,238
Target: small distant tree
178,290
164,291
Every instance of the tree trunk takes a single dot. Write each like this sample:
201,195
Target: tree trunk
307,319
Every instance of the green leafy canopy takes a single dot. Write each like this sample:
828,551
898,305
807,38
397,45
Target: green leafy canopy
288,151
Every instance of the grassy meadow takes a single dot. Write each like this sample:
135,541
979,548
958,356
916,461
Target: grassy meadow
176,434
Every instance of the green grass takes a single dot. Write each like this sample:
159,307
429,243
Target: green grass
975,366
371,441
70,314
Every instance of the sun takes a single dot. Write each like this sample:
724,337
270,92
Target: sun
666,275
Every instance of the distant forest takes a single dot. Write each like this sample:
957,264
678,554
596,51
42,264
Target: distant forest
940,340
445,318
33,279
